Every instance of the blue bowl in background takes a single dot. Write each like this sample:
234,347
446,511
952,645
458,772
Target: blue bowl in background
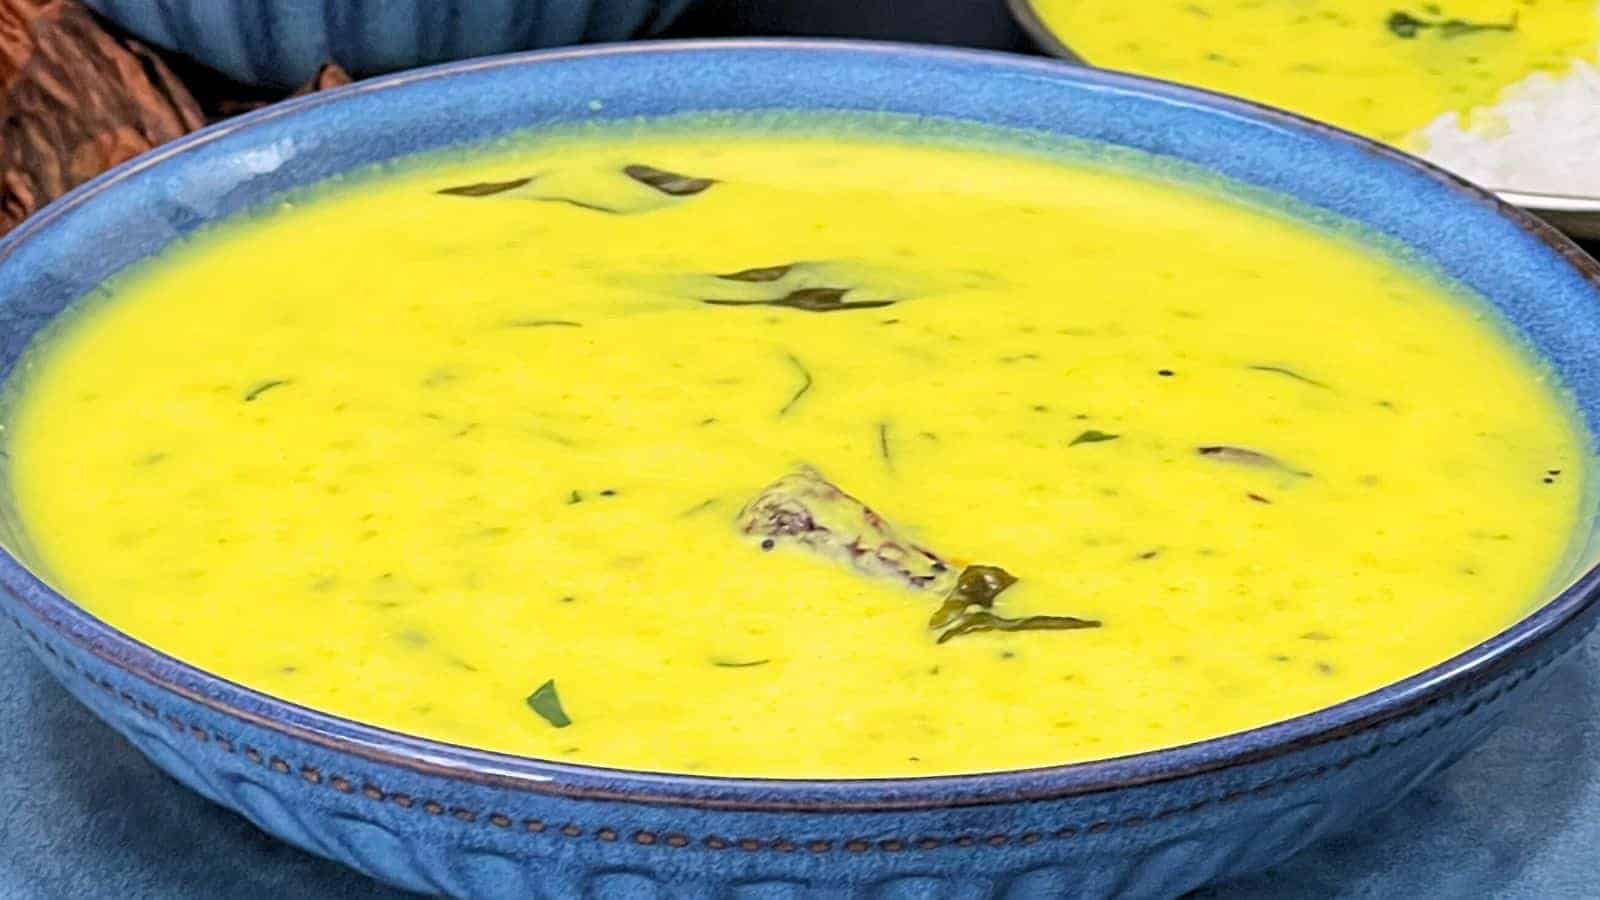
438,818
283,42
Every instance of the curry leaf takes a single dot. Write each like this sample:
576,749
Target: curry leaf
1093,437
974,622
486,188
670,183
722,663
806,381
1406,26
1288,373
1243,456
759,275
975,586
811,299
547,704
262,387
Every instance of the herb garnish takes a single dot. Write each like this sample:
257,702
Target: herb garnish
1093,437
543,323
667,182
883,446
581,204
735,664
264,386
700,506
806,509
547,704
1288,373
487,188
1244,456
978,586
811,299
975,586
809,286
1407,26
760,275
805,386
975,622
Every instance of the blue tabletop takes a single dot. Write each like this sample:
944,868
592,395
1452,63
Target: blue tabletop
84,816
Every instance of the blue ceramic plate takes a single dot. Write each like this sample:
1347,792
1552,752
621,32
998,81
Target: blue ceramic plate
438,818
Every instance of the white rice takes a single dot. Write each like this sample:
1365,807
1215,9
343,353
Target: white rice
1543,136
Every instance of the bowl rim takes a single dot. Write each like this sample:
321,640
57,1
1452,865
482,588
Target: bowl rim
1406,697
1026,15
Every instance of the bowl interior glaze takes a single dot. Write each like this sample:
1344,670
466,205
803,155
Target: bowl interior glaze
1543,288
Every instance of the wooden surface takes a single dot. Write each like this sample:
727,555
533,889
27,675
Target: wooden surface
77,98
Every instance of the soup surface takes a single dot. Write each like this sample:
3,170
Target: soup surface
470,450
1379,67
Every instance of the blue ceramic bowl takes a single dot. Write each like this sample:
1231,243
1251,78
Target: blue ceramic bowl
283,42
439,818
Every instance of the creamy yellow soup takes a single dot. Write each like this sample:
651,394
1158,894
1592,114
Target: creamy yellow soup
498,450
1379,67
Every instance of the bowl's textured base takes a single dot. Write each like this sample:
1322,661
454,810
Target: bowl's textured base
447,836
